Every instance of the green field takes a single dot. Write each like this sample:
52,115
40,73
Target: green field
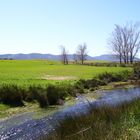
17,76
26,72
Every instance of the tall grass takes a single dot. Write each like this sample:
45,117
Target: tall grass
107,123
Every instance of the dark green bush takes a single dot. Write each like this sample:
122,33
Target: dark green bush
108,64
54,93
136,70
11,95
112,64
106,77
103,64
122,65
32,93
95,82
123,76
103,79
39,94
42,98
114,77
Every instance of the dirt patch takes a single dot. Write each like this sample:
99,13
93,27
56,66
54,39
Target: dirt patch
51,77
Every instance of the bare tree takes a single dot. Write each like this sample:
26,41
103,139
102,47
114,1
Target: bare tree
75,58
64,56
134,41
125,42
82,53
116,42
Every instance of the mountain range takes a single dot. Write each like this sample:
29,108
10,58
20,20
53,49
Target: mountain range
20,56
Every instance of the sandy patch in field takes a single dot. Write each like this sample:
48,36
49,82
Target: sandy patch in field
52,77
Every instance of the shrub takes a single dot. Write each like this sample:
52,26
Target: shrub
42,98
11,95
115,77
78,87
112,64
103,79
95,82
38,93
106,77
32,93
136,71
104,64
55,92
122,65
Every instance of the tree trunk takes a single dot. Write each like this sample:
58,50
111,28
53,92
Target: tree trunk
131,58
120,59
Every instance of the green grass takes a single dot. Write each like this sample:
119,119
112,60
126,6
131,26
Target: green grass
26,72
115,123
3,107
8,111
97,61
27,80
2,110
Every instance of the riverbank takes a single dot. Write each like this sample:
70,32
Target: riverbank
17,99
8,111
117,117
72,120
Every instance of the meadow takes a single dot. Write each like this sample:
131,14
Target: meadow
45,82
27,85
27,72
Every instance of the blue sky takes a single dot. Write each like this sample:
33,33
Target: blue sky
43,25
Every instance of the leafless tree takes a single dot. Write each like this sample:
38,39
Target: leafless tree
64,55
82,53
75,58
125,42
116,42
134,41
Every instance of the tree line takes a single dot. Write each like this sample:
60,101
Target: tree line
124,43
79,56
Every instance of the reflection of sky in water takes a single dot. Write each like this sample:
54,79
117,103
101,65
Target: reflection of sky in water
33,128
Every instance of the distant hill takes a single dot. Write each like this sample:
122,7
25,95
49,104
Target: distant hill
20,56
30,56
106,57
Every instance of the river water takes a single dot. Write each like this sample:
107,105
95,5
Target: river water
25,127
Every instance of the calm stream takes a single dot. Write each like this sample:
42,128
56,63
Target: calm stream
25,127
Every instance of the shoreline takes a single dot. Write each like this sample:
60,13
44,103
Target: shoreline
34,107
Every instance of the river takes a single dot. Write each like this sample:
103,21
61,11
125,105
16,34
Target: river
25,126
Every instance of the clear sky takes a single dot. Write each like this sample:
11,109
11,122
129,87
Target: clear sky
43,25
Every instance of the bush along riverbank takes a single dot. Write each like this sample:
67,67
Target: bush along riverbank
53,94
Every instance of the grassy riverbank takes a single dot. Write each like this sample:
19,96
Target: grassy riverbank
122,122
7,111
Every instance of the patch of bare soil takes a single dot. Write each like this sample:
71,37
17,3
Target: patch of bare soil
52,77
